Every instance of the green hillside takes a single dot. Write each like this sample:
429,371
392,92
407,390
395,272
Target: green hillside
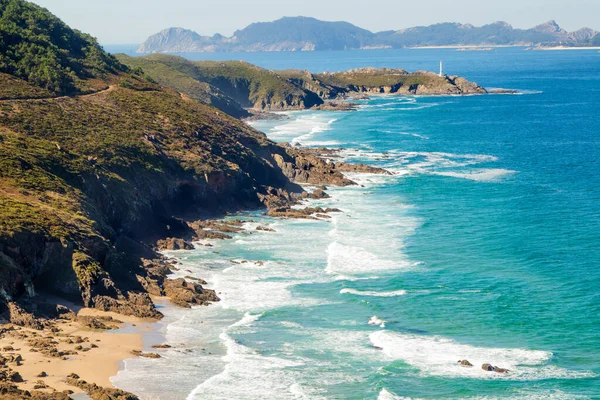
85,179
40,49
177,73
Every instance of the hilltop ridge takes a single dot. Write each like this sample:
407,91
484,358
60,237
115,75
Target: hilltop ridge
310,34
239,88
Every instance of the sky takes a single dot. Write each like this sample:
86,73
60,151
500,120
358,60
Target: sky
132,21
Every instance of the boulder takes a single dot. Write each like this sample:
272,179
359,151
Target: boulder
491,368
487,367
174,244
187,294
465,363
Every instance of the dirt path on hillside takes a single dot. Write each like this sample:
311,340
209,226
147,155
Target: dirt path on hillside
109,89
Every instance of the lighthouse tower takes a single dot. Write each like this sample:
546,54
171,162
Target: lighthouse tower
441,68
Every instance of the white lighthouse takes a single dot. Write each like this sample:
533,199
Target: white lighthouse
441,68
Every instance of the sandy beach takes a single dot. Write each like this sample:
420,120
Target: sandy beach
96,352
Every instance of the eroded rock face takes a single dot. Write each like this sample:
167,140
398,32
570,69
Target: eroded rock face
187,294
20,317
96,392
362,168
302,213
174,244
9,391
135,304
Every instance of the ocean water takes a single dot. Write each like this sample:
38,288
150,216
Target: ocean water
483,245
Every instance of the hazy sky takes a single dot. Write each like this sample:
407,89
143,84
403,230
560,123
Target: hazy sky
132,21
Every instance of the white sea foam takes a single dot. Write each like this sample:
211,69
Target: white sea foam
248,319
249,375
439,356
375,320
385,394
296,390
245,287
316,125
351,260
480,174
373,293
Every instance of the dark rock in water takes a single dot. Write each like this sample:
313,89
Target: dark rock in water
319,194
161,346
264,229
465,363
174,244
145,355
193,278
186,294
503,91
336,106
491,368
303,213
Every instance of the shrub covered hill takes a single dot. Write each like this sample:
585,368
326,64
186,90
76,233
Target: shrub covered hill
97,162
234,86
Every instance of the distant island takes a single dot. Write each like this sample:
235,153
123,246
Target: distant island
310,34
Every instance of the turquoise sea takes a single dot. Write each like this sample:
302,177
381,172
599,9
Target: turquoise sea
483,245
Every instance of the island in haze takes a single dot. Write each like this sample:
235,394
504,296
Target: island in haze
310,34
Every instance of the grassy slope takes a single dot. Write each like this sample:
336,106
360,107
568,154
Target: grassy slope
117,158
159,69
39,48
250,85
83,171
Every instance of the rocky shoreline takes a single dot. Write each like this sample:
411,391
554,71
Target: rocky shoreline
37,321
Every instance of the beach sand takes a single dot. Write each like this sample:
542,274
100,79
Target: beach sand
95,365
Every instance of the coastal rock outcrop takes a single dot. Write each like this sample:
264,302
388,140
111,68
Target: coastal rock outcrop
174,244
96,392
187,294
491,368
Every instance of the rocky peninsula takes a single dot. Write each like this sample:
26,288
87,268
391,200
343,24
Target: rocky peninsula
243,90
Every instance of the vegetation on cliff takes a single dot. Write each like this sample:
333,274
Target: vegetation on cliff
86,179
397,81
234,85
179,74
40,49
89,180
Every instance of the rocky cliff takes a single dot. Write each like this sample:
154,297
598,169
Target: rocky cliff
378,81
89,181
233,86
